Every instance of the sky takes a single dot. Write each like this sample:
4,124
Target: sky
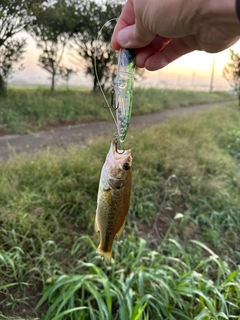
192,71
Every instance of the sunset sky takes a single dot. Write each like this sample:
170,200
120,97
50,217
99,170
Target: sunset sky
193,71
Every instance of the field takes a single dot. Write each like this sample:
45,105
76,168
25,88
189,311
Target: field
32,109
182,265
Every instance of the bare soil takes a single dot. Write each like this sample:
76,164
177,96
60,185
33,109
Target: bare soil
80,133
24,310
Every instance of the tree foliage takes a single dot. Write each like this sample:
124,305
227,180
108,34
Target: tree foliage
66,73
91,49
52,28
10,54
231,72
14,16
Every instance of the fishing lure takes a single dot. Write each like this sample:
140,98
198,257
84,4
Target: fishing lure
123,86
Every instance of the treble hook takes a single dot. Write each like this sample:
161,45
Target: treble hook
112,102
116,144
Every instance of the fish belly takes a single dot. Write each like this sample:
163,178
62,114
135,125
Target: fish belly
111,215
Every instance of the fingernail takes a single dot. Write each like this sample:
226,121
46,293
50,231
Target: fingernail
123,36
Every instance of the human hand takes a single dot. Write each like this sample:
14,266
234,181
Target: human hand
161,31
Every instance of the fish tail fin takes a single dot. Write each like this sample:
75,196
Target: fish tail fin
107,255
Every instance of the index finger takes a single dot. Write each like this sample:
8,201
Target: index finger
127,18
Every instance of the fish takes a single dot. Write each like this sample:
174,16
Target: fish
113,198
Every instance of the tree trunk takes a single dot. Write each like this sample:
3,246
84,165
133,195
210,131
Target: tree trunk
95,85
53,82
3,86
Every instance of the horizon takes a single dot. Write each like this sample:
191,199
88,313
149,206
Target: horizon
192,71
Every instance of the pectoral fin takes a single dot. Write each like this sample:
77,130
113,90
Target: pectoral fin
119,233
96,225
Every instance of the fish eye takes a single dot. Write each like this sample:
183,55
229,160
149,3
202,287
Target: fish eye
126,166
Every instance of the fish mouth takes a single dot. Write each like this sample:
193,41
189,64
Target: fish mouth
121,156
118,153
120,162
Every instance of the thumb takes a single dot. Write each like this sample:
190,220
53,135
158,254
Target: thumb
133,37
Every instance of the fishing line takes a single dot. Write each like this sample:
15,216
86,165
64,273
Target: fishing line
95,67
169,181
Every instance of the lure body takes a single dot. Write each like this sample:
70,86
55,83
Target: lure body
123,86
113,199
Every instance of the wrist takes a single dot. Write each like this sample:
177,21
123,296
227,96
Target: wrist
218,13
222,13
224,10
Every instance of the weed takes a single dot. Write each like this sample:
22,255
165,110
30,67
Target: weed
157,290
189,271
27,110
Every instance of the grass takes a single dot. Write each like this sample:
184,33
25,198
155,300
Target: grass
188,270
23,111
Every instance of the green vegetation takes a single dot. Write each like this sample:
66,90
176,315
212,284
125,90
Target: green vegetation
31,110
190,270
231,72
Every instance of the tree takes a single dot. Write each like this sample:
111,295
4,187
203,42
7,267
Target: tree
52,28
231,72
14,16
51,58
88,47
10,54
66,73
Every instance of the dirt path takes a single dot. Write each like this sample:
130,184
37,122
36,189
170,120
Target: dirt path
78,134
